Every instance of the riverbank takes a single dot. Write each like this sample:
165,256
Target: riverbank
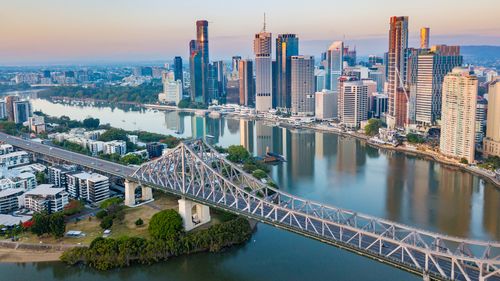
410,150
20,252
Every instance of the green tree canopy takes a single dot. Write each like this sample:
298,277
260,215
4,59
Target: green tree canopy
91,123
371,129
165,225
237,153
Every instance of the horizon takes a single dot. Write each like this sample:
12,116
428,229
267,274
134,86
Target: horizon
58,32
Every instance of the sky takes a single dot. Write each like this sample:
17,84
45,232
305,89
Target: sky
79,31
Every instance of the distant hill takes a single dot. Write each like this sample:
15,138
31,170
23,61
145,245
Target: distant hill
488,56
489,52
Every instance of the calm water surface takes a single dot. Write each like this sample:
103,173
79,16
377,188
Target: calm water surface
337,170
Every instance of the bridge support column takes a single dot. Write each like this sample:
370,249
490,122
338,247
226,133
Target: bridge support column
193,214
147,193
130,193
426,276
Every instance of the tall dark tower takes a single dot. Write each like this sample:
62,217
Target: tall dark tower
199,63
287,45
178,70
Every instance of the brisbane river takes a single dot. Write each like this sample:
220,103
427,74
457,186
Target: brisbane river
340,171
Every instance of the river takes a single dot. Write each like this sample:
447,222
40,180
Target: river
325,167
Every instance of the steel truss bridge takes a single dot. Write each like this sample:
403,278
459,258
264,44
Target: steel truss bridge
196,171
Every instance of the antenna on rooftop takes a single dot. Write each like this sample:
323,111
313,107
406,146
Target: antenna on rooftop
264,28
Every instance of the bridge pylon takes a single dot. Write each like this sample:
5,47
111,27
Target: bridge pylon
193,214
130,187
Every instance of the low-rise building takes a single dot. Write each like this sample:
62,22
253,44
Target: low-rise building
46,197
86,186
58,175
6,149
16,179
37,124
133,138
10,199
14,159
154,149
116,146
326,104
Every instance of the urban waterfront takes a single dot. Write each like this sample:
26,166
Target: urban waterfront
340,171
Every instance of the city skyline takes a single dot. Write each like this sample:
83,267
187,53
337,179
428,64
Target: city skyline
153,31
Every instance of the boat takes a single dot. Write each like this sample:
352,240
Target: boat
272,157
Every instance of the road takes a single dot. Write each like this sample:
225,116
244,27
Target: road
89,162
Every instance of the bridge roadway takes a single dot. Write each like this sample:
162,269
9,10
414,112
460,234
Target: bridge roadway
89,162
389,245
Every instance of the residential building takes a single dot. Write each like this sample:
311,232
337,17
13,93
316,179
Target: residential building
335,65
154,149
492,141
58,175
17,179
22,111
262,47
46,198
396,72
9,104
326,104
37,124
287,45
90,187
6,149
320,76
247,84
481,108
458,121
3,109
10,199
115,147
15,158
302,83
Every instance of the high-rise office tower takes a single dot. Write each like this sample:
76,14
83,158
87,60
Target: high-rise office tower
396,67
353,97
287,45
335,64
199,64
481,108
22,111
235,63
178,73
221,78
431,68
350,56
458,130
424,37
262,46
247,89
492,140
302,85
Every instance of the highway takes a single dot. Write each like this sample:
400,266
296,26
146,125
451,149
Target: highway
88,162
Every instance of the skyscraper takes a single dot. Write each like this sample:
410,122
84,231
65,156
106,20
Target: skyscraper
247,89
432,67
22,111
302,85
492,140
9,104
458,132
287,45
262,47
199,64
221,78
353,100
424,37
235,62
335,63
398,43
178,73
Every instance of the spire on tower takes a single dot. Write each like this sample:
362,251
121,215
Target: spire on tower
264,28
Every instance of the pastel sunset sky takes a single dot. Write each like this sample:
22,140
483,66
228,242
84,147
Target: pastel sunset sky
35,31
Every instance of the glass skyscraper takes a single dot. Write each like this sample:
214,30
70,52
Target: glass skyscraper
287,45
199,64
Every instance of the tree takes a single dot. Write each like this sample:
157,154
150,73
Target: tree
57,225
41,178
237,153
165,225
101,214
106,222
91,123
133,159
371,129
114,134
184,103
259,174
414,138
139,222
464,161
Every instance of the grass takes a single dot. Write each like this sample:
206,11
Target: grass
125,228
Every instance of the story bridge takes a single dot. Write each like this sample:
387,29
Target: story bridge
196,171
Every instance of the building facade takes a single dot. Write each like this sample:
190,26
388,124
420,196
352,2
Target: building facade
287,45
335,65
262,47
353,101
491,145
199,64
302,83
326,105
247,84
458,124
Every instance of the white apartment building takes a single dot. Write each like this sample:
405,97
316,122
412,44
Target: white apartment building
492,140
353,101
116,146
10,200
303,88
172,89
458,117
90,187
15,158
326,104
46,197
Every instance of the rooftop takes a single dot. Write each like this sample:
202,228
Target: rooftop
44,189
